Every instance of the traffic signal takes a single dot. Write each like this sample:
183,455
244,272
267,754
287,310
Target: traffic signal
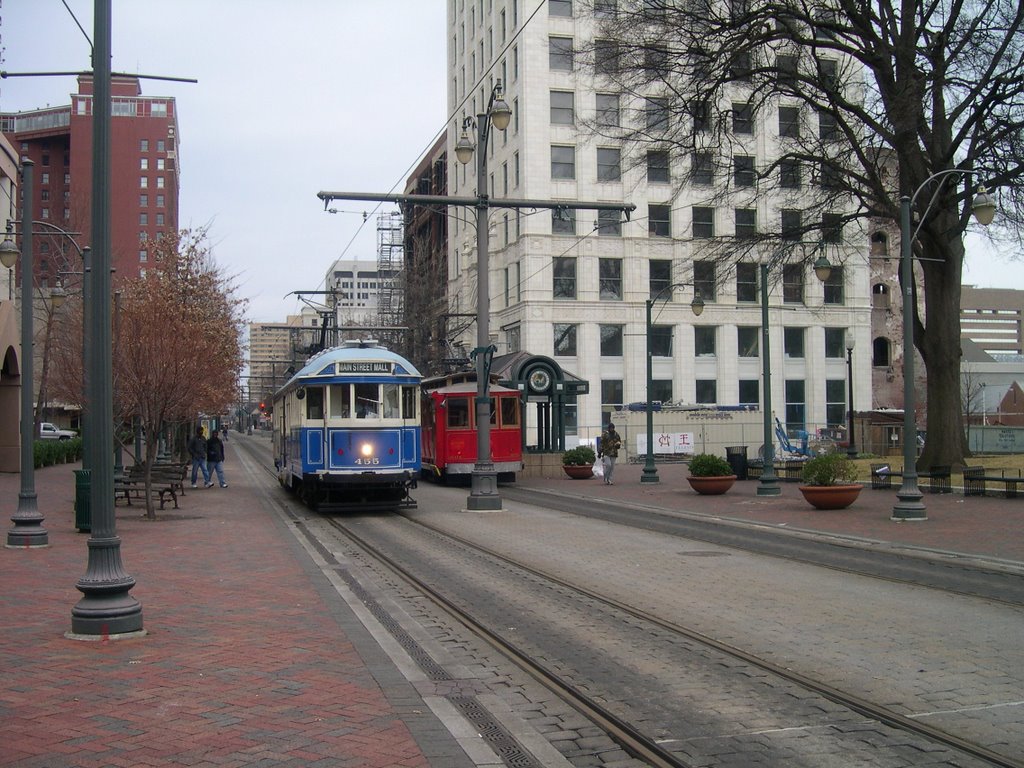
263,407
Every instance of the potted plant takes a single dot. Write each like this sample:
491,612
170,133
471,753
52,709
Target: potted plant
829,481
710,474
578,462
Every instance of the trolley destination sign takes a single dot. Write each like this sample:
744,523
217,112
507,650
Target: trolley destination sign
368,366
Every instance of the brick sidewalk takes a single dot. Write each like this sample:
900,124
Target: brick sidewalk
247,661
983,526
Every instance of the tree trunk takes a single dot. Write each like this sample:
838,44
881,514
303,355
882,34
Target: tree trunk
939,344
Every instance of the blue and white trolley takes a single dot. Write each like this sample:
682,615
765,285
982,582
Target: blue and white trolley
346,429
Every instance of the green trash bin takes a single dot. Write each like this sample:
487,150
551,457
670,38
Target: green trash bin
83,502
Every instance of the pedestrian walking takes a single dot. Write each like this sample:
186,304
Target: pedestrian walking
215,459
611,441
197,450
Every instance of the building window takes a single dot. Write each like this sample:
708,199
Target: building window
659,220
789,174
559,8
159,219
565,339
796,418
606,9
144,145
563,221
792,229
143,219
746,223
660,278
749,392
828,126
611,340
831,228
610,279
143,201
700,115
704,340
655,61
159,182
143,256
743,119
835,402
706,391
703,222
564,281
562,109
661,391
793,342
159,201
743,173
611,395
513,342
609,224
702,168
143,163
560,53
746,282
785,71
658,167
608,110
563,162
834,287
747,340
143,182
161,164
793,284
656,113
606,57
835,343
879,244
705,280
161,145
789,122
661,341
609,164
880,356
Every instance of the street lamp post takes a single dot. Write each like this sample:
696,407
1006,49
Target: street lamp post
769,482
484,480
851,446
910,504
28,530
650,471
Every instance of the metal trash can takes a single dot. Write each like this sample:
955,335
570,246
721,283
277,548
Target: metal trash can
83,502
736,455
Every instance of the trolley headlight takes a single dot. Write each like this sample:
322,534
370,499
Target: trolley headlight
366,449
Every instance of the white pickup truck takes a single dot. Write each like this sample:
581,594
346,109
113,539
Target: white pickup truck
49,431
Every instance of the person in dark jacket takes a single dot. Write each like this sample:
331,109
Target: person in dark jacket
215,459
611,442
197,450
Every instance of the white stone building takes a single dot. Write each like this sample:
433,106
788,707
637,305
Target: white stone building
571,291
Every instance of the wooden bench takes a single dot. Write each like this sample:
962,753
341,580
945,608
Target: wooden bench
939,477
165,480
791,470
975,479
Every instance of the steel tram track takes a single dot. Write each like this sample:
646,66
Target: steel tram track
634,742
853,702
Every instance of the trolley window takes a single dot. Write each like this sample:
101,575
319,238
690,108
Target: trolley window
367,401
409,397
392,408
510,412
315,403
458,412
341,401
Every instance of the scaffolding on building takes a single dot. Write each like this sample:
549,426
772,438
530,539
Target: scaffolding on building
390,275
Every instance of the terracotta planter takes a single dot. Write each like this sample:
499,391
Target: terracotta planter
578,472
831,496
711,486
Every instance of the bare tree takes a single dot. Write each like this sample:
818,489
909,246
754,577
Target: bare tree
871,98
178,349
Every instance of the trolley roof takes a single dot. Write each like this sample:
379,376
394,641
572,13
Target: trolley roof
365,360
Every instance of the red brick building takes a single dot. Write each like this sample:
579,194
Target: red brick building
144,178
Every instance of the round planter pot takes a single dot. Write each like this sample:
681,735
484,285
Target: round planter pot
830,496
711,486
578,472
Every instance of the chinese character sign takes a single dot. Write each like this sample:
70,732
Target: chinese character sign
666,442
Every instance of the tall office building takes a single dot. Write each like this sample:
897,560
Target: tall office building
574,286
144,173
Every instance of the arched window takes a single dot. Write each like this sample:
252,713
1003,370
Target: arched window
880,357
879,244
880,296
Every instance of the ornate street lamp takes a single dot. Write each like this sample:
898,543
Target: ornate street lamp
484,480
650,472
910,504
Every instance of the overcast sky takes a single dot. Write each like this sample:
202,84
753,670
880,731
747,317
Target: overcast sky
293,98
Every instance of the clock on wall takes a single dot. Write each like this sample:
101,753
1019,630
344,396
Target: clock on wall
540,380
